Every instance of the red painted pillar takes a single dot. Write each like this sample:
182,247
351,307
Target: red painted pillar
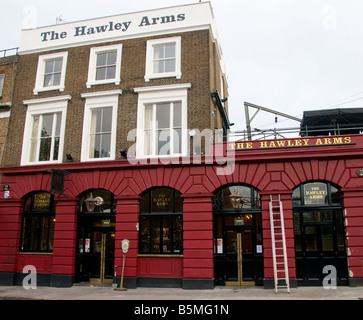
127,222
64,245
353,204
285,197
198,256
10,226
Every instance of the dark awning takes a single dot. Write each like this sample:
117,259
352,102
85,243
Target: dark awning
332,122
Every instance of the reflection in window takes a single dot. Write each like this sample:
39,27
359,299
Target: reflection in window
161,222
38,223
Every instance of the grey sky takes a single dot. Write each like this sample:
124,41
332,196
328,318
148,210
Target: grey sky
288,55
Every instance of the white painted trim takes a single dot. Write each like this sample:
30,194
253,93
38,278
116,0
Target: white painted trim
47,100
93,101
160,94
39,81
5,114
100,94
149,70
92,65
40,107
163,88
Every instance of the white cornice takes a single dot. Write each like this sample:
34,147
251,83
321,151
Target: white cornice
47,100
163,88
101,94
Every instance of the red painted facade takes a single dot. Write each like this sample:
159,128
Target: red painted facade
271,171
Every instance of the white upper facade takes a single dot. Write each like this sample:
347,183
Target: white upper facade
169,20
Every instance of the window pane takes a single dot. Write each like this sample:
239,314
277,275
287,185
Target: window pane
340,230
166,245
145,235
111,58
105,145
48,80
148,116
44,234
163,115
327,238
177,141
177,114
51,234
107,119
45,146
296,197
164,142
58,65
56,149
297,231
58,124
177,234
162,200
101,59
311,242
101,73
158,52
49,67
170,65
170,51
111,73
47,125
155,235
56,79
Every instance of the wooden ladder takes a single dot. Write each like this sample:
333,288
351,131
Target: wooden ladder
279,253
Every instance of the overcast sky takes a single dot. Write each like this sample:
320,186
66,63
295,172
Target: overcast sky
287,55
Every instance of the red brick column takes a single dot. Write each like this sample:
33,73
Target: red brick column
289,233
10,226
353,204
127,222
64,246
198,256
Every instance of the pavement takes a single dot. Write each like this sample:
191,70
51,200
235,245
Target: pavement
164,294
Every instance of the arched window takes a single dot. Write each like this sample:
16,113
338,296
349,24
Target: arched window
97,201
161,222
319,232
38,223
237,197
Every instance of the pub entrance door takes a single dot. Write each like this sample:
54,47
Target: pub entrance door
95,250
238,251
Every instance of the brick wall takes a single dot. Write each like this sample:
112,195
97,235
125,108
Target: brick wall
196,69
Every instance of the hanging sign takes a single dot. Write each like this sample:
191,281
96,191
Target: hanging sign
315,193
125,246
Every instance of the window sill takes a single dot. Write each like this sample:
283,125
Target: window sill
58,88
90,84
149,77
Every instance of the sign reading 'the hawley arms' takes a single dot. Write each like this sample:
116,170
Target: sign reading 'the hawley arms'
289,143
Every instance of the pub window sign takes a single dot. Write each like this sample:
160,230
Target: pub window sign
315,193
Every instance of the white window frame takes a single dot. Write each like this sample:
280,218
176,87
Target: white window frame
39,82
93,61
2,81
42,107
156,95
96,100
149,73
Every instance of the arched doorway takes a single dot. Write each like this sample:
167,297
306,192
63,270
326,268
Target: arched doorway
238,251
95,245
319,233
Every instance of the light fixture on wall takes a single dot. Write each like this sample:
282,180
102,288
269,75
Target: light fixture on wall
123,154
69,157
236,200
90,203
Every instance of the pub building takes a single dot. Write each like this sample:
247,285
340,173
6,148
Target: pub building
101,147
